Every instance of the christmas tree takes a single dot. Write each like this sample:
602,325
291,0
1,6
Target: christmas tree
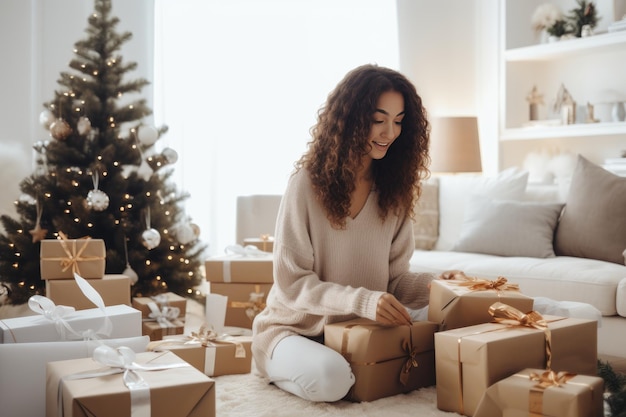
100,175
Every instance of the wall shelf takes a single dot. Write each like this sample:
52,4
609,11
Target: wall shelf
564,131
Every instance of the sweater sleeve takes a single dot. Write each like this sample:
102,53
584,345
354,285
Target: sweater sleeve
410,288
298,286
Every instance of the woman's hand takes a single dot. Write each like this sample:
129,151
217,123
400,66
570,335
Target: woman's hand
453,274
390,311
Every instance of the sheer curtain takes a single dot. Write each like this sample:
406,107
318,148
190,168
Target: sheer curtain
239,82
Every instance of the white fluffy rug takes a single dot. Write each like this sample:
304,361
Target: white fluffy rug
251,396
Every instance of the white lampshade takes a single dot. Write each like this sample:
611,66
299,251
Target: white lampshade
454,145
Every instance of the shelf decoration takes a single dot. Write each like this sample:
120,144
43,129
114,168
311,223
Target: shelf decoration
534,99
565,106
544,18
583,18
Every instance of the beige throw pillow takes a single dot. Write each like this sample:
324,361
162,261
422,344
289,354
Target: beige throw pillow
508,228
426,221
593,224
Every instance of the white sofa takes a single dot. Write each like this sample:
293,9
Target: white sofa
482,226
440,226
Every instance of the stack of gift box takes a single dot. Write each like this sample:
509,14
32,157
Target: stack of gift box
245,276
484,348
85,356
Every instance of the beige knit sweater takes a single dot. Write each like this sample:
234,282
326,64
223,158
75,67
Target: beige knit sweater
325,275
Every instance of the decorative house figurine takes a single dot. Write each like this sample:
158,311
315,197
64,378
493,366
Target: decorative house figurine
534,99
566,106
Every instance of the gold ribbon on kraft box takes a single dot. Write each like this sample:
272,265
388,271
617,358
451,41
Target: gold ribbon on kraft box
479,284
254,305
73,255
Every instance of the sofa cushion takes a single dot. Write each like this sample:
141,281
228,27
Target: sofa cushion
593,224
508,228
561,278
454,191
426,221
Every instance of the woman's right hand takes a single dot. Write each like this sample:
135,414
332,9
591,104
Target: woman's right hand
391,312
453,274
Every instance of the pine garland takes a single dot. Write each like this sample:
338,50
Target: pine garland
615,387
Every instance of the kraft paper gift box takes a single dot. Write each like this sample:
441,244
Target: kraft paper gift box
245,301
470,359
180,391
114,289
169,299
461,303
385,360
60,258
158,329
240,268
264,243
210,354
538,392
125,321
23,376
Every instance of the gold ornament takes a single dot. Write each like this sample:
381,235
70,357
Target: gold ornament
38,233
59,129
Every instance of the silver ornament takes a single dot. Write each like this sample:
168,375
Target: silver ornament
46,118
151,238
59,129
147,135
185,234
130,273
170,155
83,126
97,200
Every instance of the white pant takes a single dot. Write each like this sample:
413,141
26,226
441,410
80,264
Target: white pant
309,370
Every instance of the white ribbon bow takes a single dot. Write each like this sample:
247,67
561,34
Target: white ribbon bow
248,250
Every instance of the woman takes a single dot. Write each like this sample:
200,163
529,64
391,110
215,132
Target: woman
344,233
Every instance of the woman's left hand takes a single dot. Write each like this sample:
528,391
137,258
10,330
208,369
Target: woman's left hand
452,274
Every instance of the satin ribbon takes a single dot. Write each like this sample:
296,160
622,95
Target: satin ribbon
58,314
255,304
74,255
545,380
163,316
477,284
248,250
407,346
206,338
121,360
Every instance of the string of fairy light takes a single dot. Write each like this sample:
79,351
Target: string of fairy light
76,176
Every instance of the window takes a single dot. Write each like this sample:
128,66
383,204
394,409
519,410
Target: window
239,83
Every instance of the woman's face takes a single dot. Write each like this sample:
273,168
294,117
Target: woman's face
386,123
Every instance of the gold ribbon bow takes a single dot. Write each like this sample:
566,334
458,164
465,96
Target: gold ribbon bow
205,337
508,315
550,378
255,304
411,361
73,255
477,284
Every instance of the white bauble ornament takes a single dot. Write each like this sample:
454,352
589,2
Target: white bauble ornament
83,126
196,229
147,135
27,199
59,129
130,273
170,155
97,200
46,118
151,238
185,233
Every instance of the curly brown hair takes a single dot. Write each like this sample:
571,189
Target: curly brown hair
339,142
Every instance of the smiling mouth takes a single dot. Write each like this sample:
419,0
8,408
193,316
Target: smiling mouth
384,145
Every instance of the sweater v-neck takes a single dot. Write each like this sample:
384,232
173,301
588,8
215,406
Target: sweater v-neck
363,209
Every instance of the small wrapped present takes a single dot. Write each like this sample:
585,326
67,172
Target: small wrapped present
385,360
23,376
245,301
60,323
114,289
157,384
537,392
465,302
241,264
61,258
264,243
210,353
470,359
174,301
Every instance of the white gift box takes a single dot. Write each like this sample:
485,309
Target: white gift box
23,376
125,320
